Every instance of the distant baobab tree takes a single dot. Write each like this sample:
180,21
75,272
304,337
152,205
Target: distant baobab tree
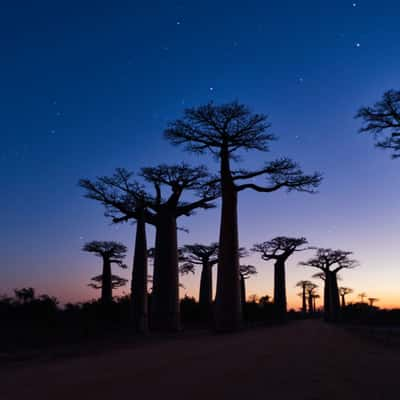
362,297
343,292
310,296
280,249
383,121
111,253
314,298
330,262
224,130
125,199
303,285
245,272
372,300
205,256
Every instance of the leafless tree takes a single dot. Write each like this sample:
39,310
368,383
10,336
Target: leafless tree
383,121
111,253
372,300
303,285
224,130
362,297
343,292
280,249
310,289
330,262
245,272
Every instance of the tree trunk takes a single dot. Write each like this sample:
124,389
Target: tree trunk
106,285
310,303
228,314
205,295
304,303
334,300
243,295
314,304
139,299
327,296
165,296
280,289
343,301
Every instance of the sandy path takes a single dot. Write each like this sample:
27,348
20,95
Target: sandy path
304,360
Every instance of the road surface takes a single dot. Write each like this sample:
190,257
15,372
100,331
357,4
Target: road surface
303,360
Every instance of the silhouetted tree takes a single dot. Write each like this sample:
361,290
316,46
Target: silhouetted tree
223,131
25,295
111,253
310,296
245,272
383,120
325,260
362,296
372,300
280,249
126,200
178,179
303,285
315,297
343,292
206,257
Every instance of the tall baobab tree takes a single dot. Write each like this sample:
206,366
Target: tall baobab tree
206,257
111,253
315,297
303,285
245,272
124,200
372,300
224,130
330,262
343,292
280,249
383,121
167,209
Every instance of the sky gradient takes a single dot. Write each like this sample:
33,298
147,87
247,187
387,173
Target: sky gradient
86,88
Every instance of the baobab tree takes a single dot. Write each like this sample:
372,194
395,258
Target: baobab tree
205,256
362,296
343,292
330,262
125,199
310,289
280,249
383,121
111,253
315,297
303,285
178,179
224,130
245,272
372,300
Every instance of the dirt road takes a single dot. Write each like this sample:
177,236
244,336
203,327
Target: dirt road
303,360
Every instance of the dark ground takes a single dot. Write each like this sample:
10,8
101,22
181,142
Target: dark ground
302,360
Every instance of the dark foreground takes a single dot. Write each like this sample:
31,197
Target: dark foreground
303,360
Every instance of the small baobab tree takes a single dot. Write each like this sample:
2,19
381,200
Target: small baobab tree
280,249
330,262
245,272
310,289
372,300
205,256
343,292
315,297
111,253
224,131
362,297
383,121
303,285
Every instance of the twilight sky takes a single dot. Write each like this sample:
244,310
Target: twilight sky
87,86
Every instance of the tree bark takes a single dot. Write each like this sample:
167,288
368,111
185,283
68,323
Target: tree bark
165,314
106,285
228,313
205,295
139,297
280,289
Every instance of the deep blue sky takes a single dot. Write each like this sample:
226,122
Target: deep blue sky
89,86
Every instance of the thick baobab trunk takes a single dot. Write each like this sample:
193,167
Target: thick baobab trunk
334,298
343,301
280,289
314,304
243,294
139,298
165,295
304,302
310,303
106,284
228,314
205,295
327,297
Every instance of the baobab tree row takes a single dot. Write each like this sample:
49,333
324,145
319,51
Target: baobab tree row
222,131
